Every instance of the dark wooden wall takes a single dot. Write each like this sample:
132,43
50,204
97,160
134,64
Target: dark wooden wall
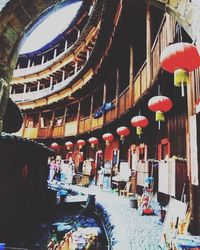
23,184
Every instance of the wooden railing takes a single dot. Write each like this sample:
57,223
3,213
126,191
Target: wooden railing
45,132
38,68
164,37
71,128
96,123
35,95
124,101
84,125
140,82
31,133
111,115
58,131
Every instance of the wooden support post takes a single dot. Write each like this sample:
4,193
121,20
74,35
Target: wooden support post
63,75
76,67
64,119
104,100
88,54
194,204
29,63
66,44
78,116
51,82
39,120
24,91
91,109
42,61
50,132
117,94
78,34
131,77
38,85
148,45
55,53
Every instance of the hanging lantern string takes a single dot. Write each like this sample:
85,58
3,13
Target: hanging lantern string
159,92
182,89
159,125
179,32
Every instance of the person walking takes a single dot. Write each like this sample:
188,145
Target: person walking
101,177
52,170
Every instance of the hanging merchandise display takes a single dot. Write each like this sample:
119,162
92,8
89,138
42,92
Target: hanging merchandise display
180,59
93,141
81,143
107,137
123,131
69,145
139,122
160,104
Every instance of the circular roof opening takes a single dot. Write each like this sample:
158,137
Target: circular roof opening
50,27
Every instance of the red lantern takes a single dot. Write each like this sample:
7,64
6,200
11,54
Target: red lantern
81,143
54,146
180,59
93,141
160,104
123,131
139,122
69,145
108,137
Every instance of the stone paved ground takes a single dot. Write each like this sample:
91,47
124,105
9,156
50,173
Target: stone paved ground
132,230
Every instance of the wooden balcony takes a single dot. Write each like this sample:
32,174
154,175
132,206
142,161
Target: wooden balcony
140,85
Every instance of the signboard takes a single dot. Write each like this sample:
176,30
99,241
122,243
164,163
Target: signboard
175,214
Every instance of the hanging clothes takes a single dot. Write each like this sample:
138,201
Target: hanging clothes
99,159
78,160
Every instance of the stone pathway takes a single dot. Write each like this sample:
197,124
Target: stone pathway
132,230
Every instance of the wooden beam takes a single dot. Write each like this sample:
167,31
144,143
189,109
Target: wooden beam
131,76
117,93
148,44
